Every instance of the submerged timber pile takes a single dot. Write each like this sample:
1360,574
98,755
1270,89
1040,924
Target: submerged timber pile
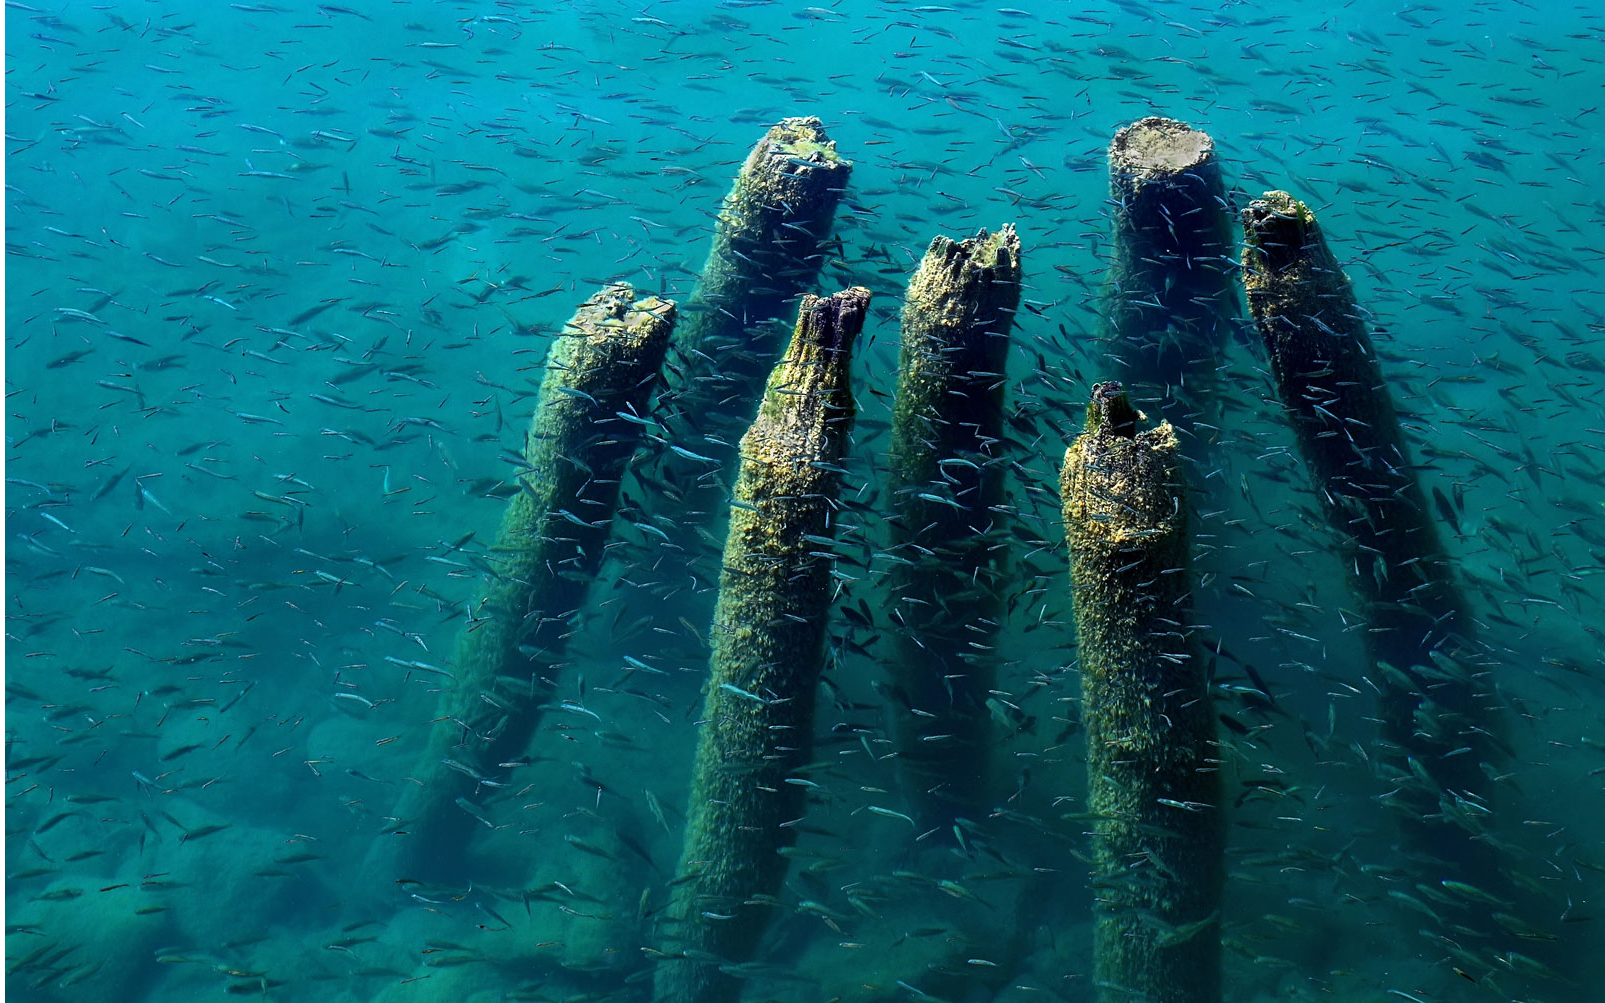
1155,795
768,631
1152,766
1171,294
946,479
1435,704
600,372
767,250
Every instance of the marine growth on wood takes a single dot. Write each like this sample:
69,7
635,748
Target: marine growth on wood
1153,782
766,642
947,466
600,369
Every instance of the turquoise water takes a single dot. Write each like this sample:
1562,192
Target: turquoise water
281,280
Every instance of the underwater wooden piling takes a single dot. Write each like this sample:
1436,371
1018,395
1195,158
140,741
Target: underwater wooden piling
601,366
1170,296
1435,715
765,243
1151,755
767,654
946,479
767,249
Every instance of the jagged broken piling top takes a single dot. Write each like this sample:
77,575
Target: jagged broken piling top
1154,148
1315,335
1122,488
808,405
961,282
1283,247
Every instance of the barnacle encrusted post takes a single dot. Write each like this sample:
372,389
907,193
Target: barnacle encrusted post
946,481
1170,297
1434,710
767,653
768,247
603,364
1151,755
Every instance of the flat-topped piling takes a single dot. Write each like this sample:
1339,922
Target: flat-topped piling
1171,293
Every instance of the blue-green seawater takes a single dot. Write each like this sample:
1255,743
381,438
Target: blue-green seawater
280,282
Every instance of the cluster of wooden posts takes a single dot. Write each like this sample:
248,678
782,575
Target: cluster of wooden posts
1175,289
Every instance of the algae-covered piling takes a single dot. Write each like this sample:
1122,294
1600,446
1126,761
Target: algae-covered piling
604,362
767,249
1151,756
1348,433
767,654
946,482
765,245
1171,297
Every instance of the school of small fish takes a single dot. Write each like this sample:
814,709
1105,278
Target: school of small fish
281,277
